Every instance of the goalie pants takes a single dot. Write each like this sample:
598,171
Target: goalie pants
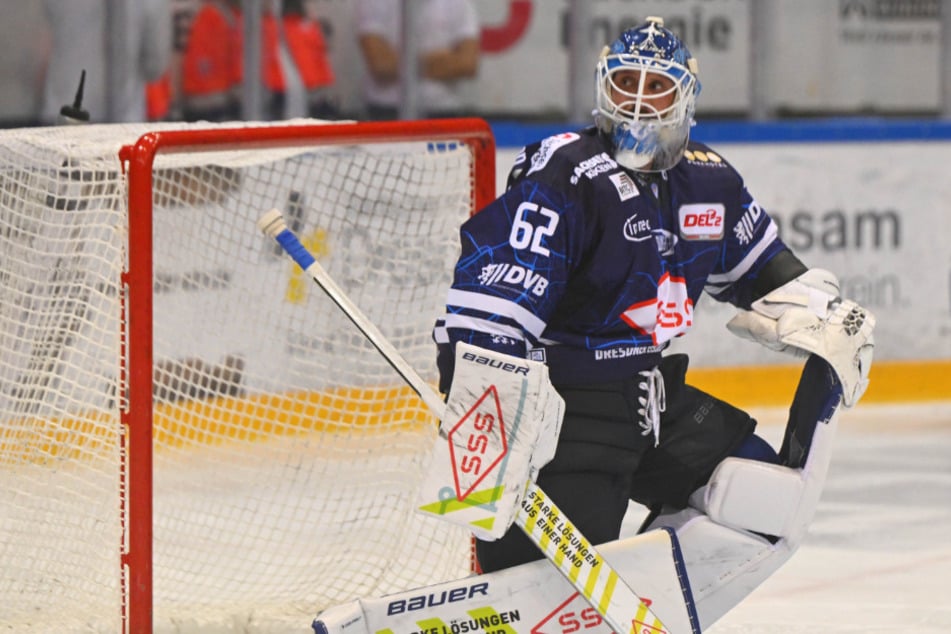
603,460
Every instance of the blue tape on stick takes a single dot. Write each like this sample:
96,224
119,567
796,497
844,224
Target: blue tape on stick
295,249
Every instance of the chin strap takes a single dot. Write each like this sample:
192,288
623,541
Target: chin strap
807,315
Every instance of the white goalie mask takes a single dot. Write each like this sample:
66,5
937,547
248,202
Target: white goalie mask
646,114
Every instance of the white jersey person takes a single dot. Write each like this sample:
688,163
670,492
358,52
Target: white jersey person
447,34
83,38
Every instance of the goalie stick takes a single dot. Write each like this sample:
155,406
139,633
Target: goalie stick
594,579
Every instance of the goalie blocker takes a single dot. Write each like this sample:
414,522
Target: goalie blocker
691,565
500,426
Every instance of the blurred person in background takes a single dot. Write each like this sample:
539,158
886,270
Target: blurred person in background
307,51
210,64
83,37
158,98
295,69
448,46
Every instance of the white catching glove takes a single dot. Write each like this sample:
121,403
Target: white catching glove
807,315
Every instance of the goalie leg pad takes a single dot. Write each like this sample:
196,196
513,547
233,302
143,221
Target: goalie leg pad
533,597
730,543
692,568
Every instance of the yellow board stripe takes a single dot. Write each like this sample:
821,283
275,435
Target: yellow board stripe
218,420
774,385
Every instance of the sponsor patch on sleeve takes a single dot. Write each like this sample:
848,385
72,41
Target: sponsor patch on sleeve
702,221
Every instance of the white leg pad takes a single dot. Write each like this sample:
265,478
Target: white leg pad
724,565
693,565
534,597
728,533
692,568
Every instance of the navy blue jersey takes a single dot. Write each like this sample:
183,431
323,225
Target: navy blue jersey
592,268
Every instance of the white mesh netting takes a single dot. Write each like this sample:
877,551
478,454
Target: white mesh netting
286,451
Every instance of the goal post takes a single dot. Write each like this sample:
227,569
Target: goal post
193,437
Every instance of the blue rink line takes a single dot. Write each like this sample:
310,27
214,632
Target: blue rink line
852,129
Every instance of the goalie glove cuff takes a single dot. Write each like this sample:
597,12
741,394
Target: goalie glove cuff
816,290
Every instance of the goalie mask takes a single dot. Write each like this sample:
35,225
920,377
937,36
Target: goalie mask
646,90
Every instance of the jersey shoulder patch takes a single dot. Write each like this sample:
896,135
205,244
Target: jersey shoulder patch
700,155
547,148
562,158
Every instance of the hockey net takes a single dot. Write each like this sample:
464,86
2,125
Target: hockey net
192,436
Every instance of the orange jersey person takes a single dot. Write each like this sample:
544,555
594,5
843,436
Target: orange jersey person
158,98
305,50
209,77
305,40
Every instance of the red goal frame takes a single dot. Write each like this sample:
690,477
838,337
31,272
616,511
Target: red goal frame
137,305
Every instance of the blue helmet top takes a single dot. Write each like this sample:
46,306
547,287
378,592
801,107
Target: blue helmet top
646,94
651,40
